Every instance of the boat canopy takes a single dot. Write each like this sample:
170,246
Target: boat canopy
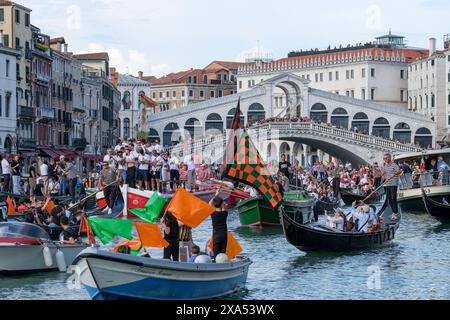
22,230
419,155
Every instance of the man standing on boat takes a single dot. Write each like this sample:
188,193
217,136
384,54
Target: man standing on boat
108,184
390,172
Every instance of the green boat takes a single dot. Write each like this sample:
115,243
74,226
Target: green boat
257,212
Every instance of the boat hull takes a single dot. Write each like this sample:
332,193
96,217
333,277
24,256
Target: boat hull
255,212
111,276
411,200
435,208
30,258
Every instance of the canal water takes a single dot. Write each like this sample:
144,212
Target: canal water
415,266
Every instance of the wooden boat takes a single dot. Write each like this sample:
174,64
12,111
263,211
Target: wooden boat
437,209
108,275
26,198
23,249
312,237
257,212
349,197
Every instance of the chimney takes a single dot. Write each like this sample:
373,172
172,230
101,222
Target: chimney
66,46
141,75
432,46
1,38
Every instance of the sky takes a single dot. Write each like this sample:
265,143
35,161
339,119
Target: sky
163,36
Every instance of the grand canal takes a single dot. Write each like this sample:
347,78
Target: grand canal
414,266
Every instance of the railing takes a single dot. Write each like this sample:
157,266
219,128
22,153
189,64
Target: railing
45,113
283,130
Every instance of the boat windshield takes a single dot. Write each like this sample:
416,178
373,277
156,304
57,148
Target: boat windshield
20,230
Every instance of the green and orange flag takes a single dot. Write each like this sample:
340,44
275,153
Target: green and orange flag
107,229
152,209
245,164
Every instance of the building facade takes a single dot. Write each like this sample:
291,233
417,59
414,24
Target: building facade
8,84
373,71
41,86
177,90
427,89
16,31
131,88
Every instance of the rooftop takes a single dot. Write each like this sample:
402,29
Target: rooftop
126,79
92,56
10,3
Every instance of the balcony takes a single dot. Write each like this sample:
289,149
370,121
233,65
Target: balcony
79,144
27,144
44,114
78,108
26,112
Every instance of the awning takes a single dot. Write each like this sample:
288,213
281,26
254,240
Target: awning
50,152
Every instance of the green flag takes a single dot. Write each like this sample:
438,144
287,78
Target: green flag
107,229
152,209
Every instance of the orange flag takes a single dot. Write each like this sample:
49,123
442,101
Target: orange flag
233,247
11,208
150,235
134,245
85,227
189,209
51,205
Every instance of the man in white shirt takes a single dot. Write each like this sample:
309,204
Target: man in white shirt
6,171
109,158
155,170
121,165
130,159
191,174
158,147
143,165
118,146
43,169
174,166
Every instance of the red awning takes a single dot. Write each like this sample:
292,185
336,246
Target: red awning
50,152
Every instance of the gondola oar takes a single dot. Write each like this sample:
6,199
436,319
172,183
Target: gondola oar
91,195
381,186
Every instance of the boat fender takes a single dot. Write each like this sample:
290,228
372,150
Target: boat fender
61,261
222,258
47,256
203,259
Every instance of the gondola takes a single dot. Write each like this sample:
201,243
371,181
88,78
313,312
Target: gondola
349,197
314,237
438,210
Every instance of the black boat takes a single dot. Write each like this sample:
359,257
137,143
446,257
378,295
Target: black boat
313,237
349,197
438,210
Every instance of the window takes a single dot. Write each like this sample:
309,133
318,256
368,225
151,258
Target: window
321,77
17,43
205,79
330,76
7,68
191,93
195,79
432,62
347,74
212,93
317,77
220,93
402,95
167,94
372,94
449,99
337,75
372,72
7,104
225,77
182,93
240,84
432,100
17,16
160,95
174,94
363,73
347,93
249,83
253,83
219,77
202,94
352,93
1,101
402,74
363,94
6,40
27,19
352,74
126,128
189,79
154,95
2,14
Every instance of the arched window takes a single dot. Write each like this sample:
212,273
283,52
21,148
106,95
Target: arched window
339,118
193,127
381,128
126,128
153,134
171,134
230,118
361,123
126,100
319,113
402,133
423,138
205,79
255,113
214,123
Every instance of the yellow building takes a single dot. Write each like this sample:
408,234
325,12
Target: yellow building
15,29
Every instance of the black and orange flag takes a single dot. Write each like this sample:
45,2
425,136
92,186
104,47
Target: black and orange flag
243,163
